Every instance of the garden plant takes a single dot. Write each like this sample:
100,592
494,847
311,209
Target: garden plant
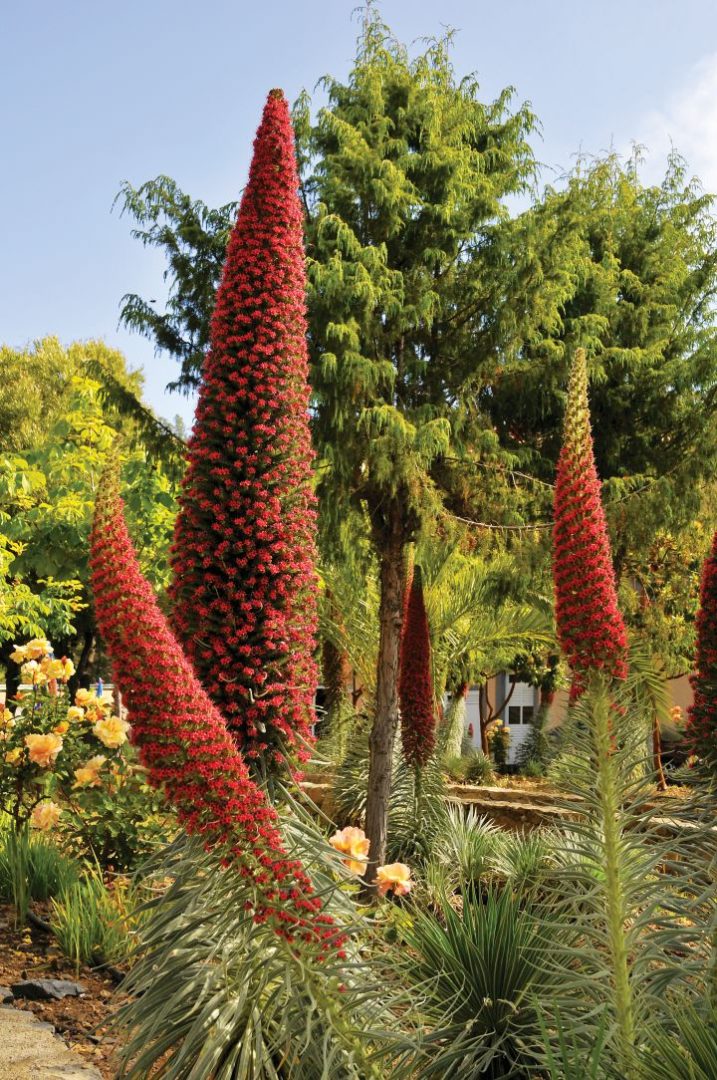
437,440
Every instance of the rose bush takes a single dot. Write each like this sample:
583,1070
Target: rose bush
69,765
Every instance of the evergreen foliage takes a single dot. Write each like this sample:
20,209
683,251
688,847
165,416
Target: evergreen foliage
194,239
628,272
244,587
404,176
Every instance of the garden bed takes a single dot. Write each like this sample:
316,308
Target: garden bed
81,1021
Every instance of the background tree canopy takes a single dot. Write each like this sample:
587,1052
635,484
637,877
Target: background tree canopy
441,327
61,411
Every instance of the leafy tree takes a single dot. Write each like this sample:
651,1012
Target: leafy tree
48,486
629,272
404,175
194,239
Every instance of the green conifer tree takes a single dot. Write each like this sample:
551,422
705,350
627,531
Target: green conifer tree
405,173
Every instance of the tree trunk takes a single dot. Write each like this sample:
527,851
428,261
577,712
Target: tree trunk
81,678
657,755
12,671
386,719
454,724
485,718
336,678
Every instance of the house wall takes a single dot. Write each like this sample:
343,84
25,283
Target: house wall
498,688
679,690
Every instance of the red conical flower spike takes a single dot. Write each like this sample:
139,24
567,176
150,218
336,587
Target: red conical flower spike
183,740
590,627
244,591
418,715
702,714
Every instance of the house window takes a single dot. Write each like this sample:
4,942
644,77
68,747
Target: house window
520,714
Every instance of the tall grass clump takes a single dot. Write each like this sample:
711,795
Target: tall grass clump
95,921
31,868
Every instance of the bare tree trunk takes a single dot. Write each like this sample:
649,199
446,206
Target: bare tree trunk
336,676
80,678
12,671
386,720
453,724
657,755
485,716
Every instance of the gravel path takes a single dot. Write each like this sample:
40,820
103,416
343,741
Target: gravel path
30,1050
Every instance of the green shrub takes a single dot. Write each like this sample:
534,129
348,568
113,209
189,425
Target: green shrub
528,858
456,767
537,749
473,767
479,769
471,847
499,743
480,972
533,769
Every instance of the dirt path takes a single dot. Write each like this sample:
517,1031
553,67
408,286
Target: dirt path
30,1050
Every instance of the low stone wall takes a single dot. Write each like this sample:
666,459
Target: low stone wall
517,809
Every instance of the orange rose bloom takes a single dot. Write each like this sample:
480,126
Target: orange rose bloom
43,749
88,775
45,816
111,731
396,876
354,843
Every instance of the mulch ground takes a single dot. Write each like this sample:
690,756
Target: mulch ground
81,1021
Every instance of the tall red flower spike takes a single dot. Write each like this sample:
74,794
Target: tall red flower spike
590,627
702,713
244,591
183,740
415,688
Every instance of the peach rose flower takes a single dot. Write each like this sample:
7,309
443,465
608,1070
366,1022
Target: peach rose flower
37,648
354,843
43,749
88,775
45,816
394,876
32,672
111,731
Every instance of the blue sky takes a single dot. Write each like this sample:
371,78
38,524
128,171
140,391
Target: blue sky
92,94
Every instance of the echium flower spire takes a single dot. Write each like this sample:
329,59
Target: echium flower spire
244,589
183,740
702,713
418,715
590,626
